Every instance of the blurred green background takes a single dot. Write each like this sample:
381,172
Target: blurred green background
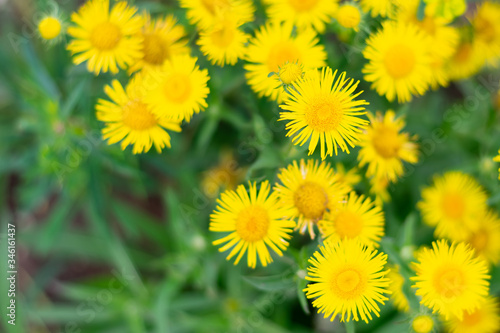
108,241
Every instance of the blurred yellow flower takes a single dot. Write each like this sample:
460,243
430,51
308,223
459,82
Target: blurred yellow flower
486,238
49,27
422,324
450,279
129,120
349,16
254,222
383,8
105,39
486,26
378,188
324,109
384,147
348,178
396,288
485,319
290,72
349,281
497,158
467,60
310,190
445,9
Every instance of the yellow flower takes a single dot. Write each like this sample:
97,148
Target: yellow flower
129,120
309,190
50,27
179,89
497,158
422,324
378,188
467,60
399,63
485,319
254,222
223,176
383,8
205,13
349,16
349,280
384,147
445,9
396,288
324,109
302,13
105,39
348,178
357,218
224,43
486,25
453,205
450,279
290,73
162,39
275,45
486,238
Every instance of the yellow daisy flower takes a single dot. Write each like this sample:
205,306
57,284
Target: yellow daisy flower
179,89
450,279
422,324
310,190
349,280
105,39
290,73
50,27
324,109
485,319
224,43
399,63
349,16
453,205
204,13
467,60
383,8
378,188
445,9
254,222
223,176
302,13
162,39
348,178
384,147
357,218
486,25
129,120
396,288
275,45
497,158
486,238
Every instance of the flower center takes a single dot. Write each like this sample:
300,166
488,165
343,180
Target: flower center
136,115
311,200
303,5
252,223
386,142
453,205
348,224
324,113
348,16
463,53
449,283
290,72
428,24
422,324
348,284
399,61
280,54
49,27
479,240
471,319
155,50
214,6
177,88
223,36
105,36
485,29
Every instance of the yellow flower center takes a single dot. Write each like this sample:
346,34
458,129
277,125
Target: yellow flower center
463,53
348,16
471,319
311,200
215,6
449,283
399,61
136,115
252,223
324,113
290,72
479,240
280,54
177,88
348,284
105,36
386,142
428,24
49,27
303,5
348,224
155,50
223,36
485,29
453,205
422,324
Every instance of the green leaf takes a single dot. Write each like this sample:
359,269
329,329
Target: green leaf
271,283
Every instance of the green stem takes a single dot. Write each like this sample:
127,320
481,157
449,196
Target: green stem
349,327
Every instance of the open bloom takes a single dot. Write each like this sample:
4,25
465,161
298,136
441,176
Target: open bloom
485,319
